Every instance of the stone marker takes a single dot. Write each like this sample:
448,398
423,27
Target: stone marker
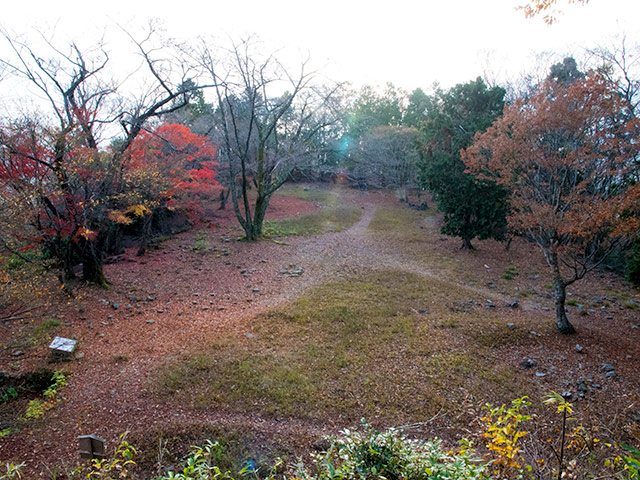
62,347
92,447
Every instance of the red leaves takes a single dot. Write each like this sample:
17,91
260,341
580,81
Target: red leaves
182,159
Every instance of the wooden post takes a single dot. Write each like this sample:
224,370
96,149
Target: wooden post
92,447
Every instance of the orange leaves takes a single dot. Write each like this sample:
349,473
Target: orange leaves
545,8
85,233
567,155
117,216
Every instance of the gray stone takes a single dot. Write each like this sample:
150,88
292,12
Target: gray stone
115,305
528,363
255,290
17,353
540,374
610,374
511,325
250,335
512,304
151,321
79,356
579,348
607,367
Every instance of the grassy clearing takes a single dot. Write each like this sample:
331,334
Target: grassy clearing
335,214
401,222
389,346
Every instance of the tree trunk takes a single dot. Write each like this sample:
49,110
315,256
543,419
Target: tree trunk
92,266
224,196
146,234
560,292
466,244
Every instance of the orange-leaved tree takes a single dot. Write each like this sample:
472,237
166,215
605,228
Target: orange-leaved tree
546,8
169,166
568,157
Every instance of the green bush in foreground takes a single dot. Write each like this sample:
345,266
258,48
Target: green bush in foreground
392,456
357,456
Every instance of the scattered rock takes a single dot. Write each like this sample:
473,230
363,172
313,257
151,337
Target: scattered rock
491,285
529,363
160,310
150,298
567,395
151,321
582,386
79,356
540,374
115,305
17,353
610,374
255,290
607,367
512,304
250,335
579,348
220,308
511,325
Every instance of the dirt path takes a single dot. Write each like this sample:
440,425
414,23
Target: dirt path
175,299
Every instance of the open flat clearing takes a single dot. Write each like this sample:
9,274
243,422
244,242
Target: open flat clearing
355,307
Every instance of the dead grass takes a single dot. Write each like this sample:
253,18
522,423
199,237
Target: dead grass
360,347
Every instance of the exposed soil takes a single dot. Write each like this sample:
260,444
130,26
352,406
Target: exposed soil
174,298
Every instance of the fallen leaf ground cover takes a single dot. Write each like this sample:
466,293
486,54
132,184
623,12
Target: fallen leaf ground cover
386,319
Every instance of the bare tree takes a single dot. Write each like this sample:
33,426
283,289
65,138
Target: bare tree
267,121
620,64
84,103
387,157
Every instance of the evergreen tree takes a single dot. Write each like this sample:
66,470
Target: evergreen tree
472,208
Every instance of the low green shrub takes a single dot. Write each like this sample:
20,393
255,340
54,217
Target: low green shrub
393,456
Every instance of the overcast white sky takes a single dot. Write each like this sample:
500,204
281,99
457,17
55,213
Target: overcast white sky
410,43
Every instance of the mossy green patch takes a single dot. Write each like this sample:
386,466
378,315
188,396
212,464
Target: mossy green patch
334,215
371,346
